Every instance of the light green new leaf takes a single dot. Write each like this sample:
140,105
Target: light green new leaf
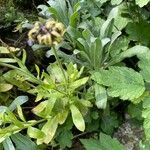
4,87
144,65
122,82
35,133
77,118
20,113
101,96
78,83
7,60
142,3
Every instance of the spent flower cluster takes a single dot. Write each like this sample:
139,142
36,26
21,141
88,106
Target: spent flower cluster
50,33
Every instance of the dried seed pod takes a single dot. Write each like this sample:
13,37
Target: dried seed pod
39,38
59,27
48,40
50,24
56,34
33,34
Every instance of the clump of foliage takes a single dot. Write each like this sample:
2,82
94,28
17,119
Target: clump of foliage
98,61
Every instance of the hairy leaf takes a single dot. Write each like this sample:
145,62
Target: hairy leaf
104,143
144,65
122,82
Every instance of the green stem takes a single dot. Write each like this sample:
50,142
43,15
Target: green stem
59,63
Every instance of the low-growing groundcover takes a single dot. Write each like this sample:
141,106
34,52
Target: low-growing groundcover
84,74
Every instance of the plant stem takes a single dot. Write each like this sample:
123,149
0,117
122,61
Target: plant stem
59,63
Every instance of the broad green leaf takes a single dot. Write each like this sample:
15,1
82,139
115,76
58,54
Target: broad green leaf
49,130
122,82
136,50
142,3
35,133
96,53
139,32
109,123
146,116
4,87
60,7
18,101
65,139
144,65
101,96
114,144
77,118
8,145
104,143
23,142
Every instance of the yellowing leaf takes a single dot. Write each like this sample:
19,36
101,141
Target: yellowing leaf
77,118
20,113
35,133
4,87
62,116
49,129
39,108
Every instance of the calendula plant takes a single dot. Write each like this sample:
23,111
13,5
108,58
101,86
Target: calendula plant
92,82
56,90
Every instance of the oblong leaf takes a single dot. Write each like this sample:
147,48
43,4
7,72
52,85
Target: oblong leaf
77,118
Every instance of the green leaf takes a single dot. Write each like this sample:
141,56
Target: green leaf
23,142
18,101
109,123
4,87
104,143
65,139
8,145
114,144
35,133
142,3
139,32
101,96
116,2
77,118
146,116
136,50
122,82
144,65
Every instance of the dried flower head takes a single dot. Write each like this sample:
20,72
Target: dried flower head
50,33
